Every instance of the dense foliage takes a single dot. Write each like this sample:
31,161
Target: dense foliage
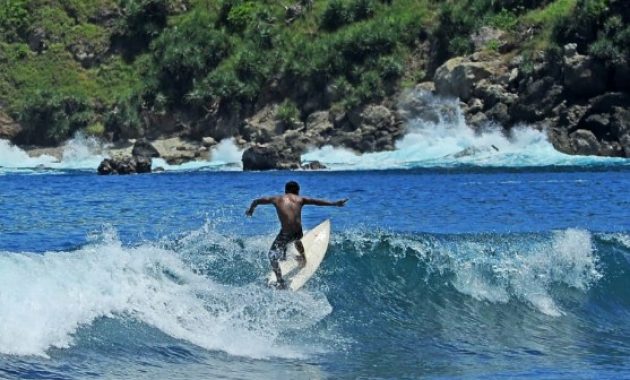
191,56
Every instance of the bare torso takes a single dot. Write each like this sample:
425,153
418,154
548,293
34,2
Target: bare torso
289,209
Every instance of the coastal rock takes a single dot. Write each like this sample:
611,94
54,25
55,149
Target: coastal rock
208,141
270,157
584,142
583,75
536,100
621,75
371,128
624,141
9,128
313,165
125,165
263,126
144,148
620,122
458,77
319,127
177,151
559,138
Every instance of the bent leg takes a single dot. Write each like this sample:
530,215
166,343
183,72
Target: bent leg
277,252
300,248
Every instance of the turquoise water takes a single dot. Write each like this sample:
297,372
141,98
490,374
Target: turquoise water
442,273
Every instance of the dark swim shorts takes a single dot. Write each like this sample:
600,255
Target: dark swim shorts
278,250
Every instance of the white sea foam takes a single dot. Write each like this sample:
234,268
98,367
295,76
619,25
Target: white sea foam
86,153
450,142
46,298
80,152
503,269
528,270
226,155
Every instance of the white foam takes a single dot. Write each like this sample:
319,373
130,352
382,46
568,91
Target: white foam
226,155
529,269
80,152
499,271
45,298
85,153
450,142
13,157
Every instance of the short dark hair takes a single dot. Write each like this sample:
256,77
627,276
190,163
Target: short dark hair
292,187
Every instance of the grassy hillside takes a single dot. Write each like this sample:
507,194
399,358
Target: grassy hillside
103,66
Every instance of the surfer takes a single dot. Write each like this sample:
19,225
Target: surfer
289,209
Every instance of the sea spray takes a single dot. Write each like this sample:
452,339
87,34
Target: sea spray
46,298
486,267
80,152
445,140
86,152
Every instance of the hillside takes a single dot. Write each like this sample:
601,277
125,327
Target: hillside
154,68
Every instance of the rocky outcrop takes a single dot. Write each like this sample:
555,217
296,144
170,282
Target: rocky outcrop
457,77
572,97
144,148
176,150
9,129
583,75
270,157
279,144
125,165
139,161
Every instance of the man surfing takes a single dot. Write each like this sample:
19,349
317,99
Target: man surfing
289,209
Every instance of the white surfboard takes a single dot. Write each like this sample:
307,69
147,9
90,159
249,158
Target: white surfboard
315,245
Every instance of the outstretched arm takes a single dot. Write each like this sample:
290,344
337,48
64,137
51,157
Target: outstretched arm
259,201
321,202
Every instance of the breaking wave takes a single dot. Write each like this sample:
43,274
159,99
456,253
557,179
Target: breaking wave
448,141
207,289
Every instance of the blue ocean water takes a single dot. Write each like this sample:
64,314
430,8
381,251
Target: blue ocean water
466,272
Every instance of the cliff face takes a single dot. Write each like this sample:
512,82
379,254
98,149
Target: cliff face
279,78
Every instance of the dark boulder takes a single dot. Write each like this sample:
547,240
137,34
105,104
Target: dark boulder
145,149
583,75
313,165
125,165
584,142
9,128
270,157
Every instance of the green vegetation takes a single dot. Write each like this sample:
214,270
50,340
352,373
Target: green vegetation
97,66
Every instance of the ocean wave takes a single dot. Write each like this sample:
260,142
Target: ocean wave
490,268
208,288
46,298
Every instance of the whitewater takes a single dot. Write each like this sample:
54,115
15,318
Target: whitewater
460,254
446,143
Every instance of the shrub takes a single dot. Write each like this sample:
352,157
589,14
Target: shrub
366,40
361,9
96,129
51,118
187,52
142,21
240,16
13,19
287,113
124,119
390,67
335,15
